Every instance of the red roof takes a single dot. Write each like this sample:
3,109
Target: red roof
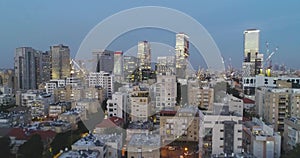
248,101
24,134
168,113
111,122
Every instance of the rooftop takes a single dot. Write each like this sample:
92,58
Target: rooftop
145,140
80,154
111,122
89,140
140,125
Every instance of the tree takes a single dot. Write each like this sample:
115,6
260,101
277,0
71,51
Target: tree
5,147
33,148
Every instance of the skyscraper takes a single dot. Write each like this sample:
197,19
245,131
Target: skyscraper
251,44
144,55
182,54
43,67
60,61
252,57
118,66
130,65
25,68
105,60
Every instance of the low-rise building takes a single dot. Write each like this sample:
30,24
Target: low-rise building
144,145
291,133
81,153
140,108
90,142
58,108
220,134
117,106
182,125
261,140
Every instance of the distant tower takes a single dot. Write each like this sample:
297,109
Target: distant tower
118,66
105,60
25,68
253,60
144,55
129,67
182,54
251,44
60,61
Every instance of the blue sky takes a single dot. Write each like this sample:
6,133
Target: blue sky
39,24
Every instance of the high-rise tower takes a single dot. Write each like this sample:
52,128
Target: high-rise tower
182,54
60,61
253,60
25,68
144,55
118,66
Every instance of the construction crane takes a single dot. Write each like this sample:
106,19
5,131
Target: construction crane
268,61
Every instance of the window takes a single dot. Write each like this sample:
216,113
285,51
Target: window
221,138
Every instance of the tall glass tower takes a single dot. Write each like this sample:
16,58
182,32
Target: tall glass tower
182,54
251,44
60,61
144,55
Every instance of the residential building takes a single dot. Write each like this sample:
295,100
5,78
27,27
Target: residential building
117,106
261,140
140,108
200,96
81,153
181,125
165,91
53,84
102,79
220,134
166,64
144,145
90,142
276,104
291,135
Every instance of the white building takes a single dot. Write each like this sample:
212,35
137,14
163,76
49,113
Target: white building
291,133
250,83
73,81
220,134
101,79
117,106
139,105
37,102
165,91
53,84
261,140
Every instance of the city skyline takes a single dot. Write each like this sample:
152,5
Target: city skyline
276,19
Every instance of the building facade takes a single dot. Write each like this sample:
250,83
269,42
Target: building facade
182,54
60,61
